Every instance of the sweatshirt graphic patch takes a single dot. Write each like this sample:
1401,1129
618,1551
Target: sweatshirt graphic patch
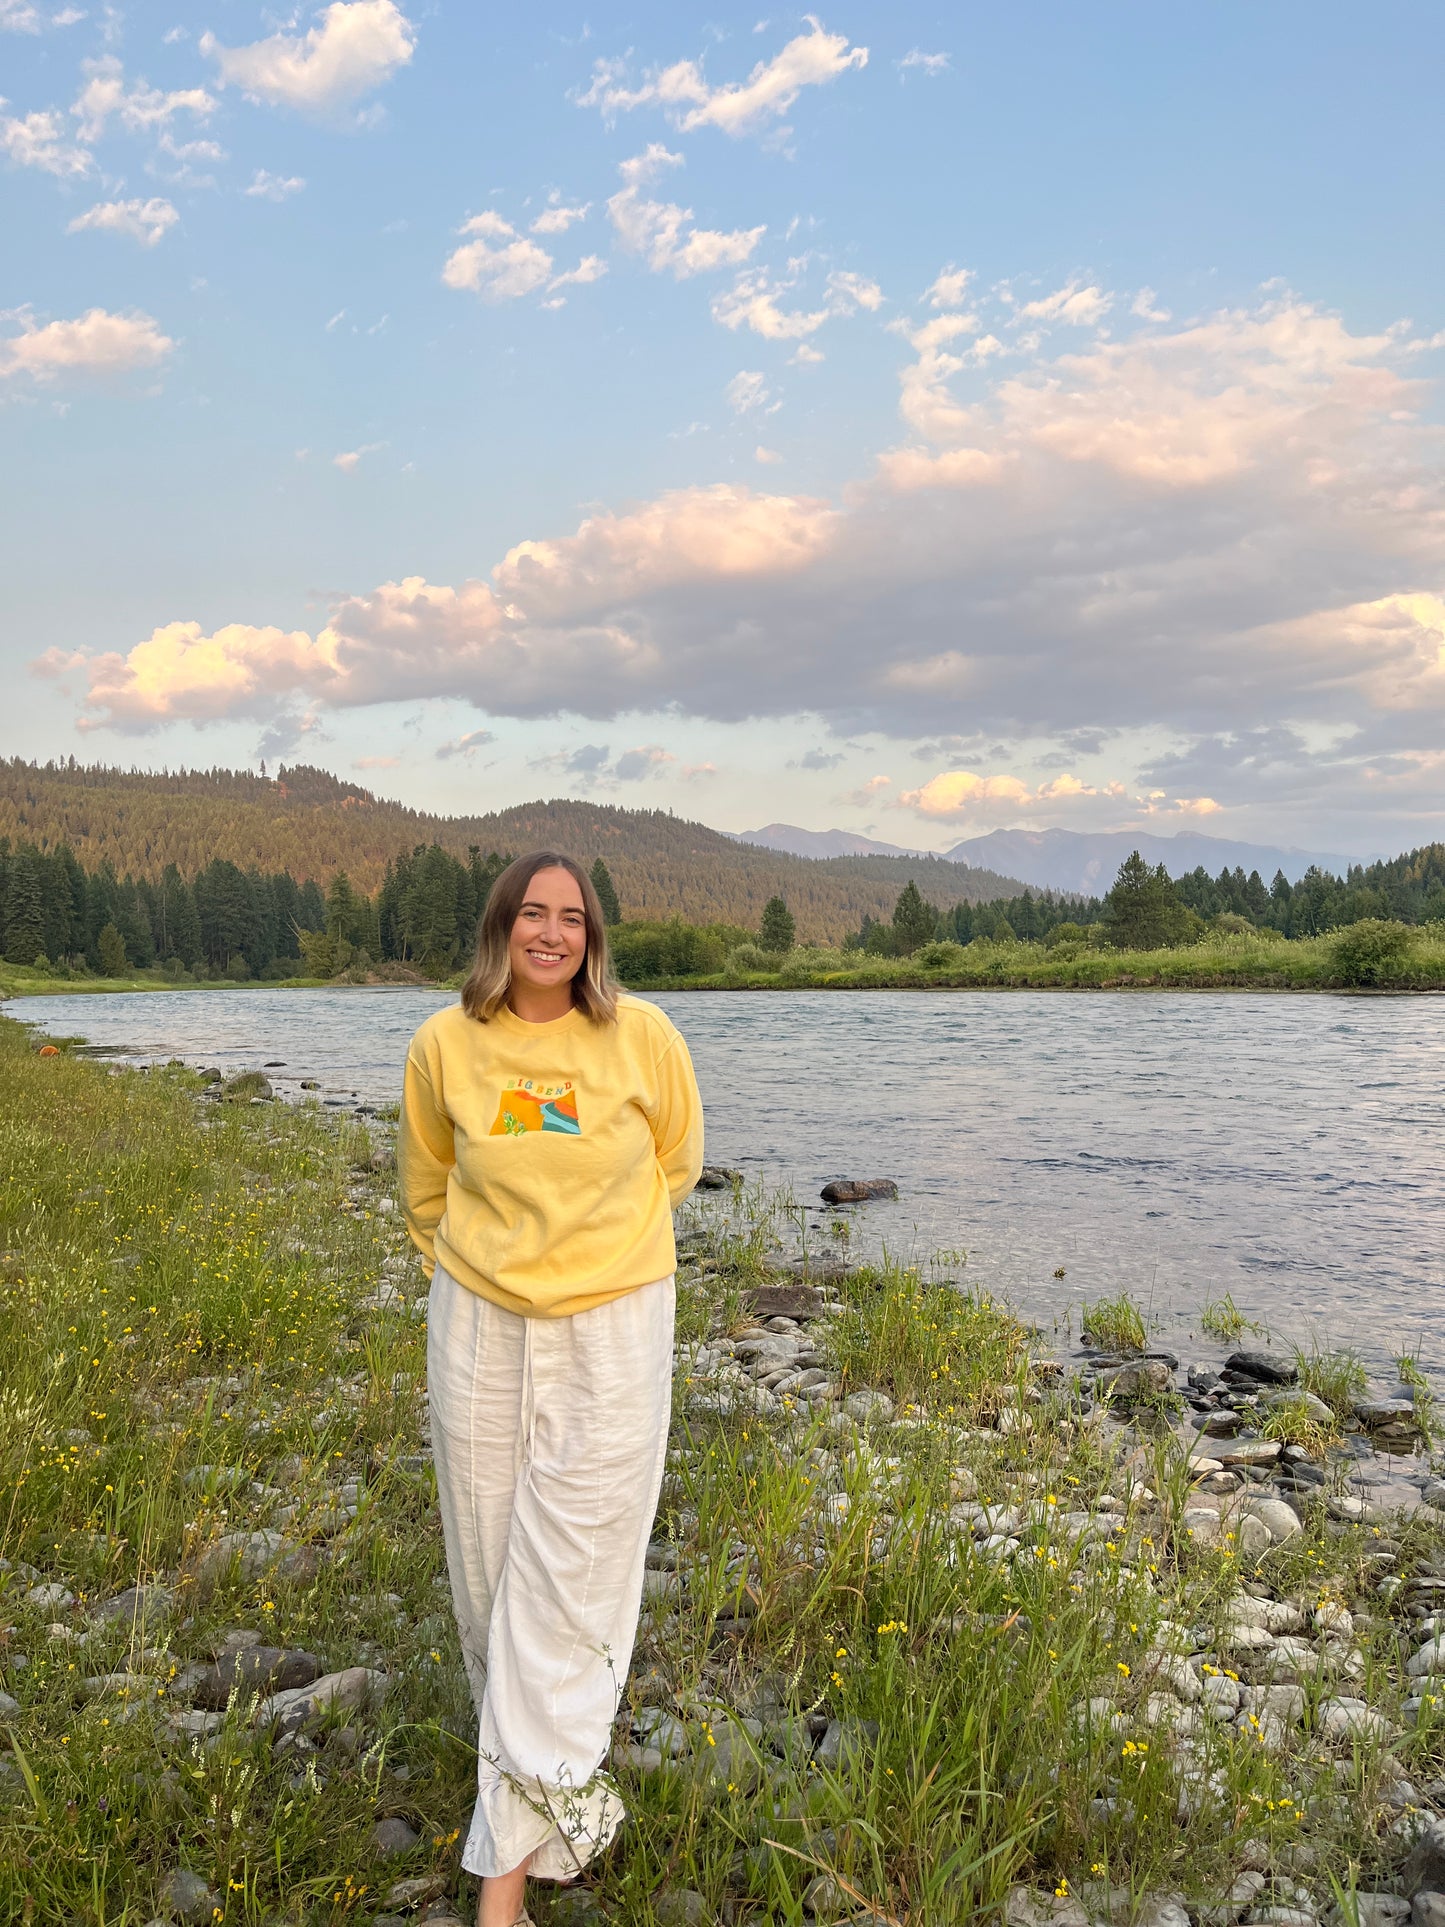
528,1105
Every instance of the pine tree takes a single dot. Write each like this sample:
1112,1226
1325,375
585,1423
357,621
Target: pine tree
111,946
25,907
1142,911
778,928
914,921
607,894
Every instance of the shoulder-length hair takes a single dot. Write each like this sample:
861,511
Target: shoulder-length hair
485,991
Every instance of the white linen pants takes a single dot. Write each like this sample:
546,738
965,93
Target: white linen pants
549,1436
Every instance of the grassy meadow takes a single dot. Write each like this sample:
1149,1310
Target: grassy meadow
899,1656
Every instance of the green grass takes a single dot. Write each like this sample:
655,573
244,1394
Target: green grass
1115,1324
1337,1377
184,1324
1222,1318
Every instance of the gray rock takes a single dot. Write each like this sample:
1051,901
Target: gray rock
1425,1867
136,1606
1219,1696
1245,1451
1429,1660
1221,1909
247,1555
1162,1910
184,1896
846,1740
1351,1719
1371,1910
1141,1379
1428,1910
51,1597
1376,1412
868,1404
1281,1520
1282,1916
858,1190
253,1669
416,1889
681,1907
393,1836
1266,1368
303,1706
9,1706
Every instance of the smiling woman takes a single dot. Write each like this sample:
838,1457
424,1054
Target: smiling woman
549,1126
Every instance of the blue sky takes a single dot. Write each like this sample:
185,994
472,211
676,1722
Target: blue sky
918,420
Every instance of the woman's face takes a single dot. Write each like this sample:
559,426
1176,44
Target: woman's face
549,938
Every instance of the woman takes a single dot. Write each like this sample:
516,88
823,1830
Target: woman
549,1126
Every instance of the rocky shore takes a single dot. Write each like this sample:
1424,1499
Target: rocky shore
937,1627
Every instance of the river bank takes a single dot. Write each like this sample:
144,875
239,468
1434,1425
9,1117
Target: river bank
937,1625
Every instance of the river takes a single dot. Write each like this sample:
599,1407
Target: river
1289,1151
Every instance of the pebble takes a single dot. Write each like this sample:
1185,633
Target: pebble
303,1706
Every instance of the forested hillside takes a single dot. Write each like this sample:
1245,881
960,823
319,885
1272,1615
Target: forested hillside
308,824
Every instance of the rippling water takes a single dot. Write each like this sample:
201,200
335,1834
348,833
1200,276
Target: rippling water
1287,1150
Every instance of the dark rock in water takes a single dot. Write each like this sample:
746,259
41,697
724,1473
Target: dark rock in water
253,1669
718,1177
310,1084
211,1075
785,1301
858,1190
1377,1412
275,1064
1265,1368
1166,1358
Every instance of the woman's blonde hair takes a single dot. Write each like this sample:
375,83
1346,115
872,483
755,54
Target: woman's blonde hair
485,991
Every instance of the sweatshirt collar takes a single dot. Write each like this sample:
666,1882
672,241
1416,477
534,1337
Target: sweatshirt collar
516,1026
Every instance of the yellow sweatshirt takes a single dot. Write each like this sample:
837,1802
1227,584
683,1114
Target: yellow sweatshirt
540,1162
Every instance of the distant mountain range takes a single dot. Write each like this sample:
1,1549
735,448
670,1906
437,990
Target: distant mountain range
1071,860
819,843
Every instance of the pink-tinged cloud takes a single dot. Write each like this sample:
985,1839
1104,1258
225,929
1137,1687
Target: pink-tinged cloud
1237,522
96,343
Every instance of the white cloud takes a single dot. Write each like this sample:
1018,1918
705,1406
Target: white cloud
590,268
502,273
958,795
752,302
18,16
139,109
274,187
1146,305
930,64
747,390
143,221
1221,537
949,289
95,343
742,107
659,230
352,458
767,456
1074,305
43,140
356,47
556,219
850,291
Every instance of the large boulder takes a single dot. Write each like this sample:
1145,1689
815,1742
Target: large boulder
858,1190
1265,1368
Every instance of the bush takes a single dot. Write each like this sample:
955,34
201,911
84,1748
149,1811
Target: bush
749,958
1066,932
1371,951
941,955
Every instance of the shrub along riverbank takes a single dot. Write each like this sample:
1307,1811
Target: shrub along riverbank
1369,956
1364,956
934,1628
